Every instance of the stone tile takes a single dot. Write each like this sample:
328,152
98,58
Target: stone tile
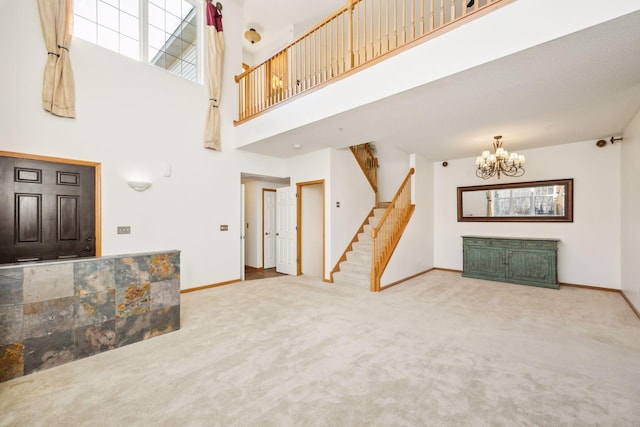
164,267
11,361
11,280
48,317
11,320
94,339
94,276
131,271
45,282
93,309
48,351
164,320
132,329
133,300
165,294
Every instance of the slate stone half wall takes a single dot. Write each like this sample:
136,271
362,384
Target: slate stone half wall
57,312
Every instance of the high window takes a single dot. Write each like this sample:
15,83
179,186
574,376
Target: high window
163,33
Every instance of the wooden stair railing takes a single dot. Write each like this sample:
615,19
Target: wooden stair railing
386,235
358,34
368,163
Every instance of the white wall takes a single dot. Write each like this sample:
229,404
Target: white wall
351,188
589,248
630,227
394,166
414,253
132,118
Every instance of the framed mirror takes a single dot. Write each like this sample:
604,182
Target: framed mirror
534,201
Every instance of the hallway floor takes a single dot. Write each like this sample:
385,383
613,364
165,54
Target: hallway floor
251,273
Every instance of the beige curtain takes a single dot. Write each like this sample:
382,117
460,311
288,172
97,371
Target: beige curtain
215,53
58,91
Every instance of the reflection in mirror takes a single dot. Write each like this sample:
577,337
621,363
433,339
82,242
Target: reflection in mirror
524,201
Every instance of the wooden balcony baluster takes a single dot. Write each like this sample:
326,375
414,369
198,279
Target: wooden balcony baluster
355,35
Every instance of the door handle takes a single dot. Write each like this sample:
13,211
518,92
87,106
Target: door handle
87,249
266,234
277,234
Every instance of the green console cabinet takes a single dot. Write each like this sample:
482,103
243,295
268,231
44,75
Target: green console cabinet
522,261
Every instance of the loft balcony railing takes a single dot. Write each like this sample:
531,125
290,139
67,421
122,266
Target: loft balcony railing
360,33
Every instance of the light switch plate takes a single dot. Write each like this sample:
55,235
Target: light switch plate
124,229
224,228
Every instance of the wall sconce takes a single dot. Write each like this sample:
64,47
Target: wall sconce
139,185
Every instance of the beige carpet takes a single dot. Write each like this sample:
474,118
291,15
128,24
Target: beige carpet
437,350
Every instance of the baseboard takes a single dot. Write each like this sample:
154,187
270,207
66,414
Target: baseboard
447,269
382,288
593,288
214,285
633,307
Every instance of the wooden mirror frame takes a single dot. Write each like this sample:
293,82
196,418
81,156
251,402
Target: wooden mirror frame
568,202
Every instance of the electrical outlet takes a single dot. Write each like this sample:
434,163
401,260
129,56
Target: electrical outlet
124,229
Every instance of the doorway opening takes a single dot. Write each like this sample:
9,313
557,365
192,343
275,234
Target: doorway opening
258,236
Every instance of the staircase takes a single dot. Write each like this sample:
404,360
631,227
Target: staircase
356,270
364,260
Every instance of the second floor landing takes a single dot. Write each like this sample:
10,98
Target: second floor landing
542,72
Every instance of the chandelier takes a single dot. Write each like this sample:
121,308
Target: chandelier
499,163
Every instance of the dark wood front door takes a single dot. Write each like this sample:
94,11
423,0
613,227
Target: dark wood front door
47,210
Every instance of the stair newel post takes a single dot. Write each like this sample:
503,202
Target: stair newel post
375,283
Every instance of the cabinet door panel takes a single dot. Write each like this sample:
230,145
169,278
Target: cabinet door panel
531,266
487,262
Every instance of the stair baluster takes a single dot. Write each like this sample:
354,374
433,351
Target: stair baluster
386,235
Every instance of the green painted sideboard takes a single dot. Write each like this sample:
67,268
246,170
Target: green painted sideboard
512,260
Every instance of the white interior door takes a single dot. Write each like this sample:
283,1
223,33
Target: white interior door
269,221
286,234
